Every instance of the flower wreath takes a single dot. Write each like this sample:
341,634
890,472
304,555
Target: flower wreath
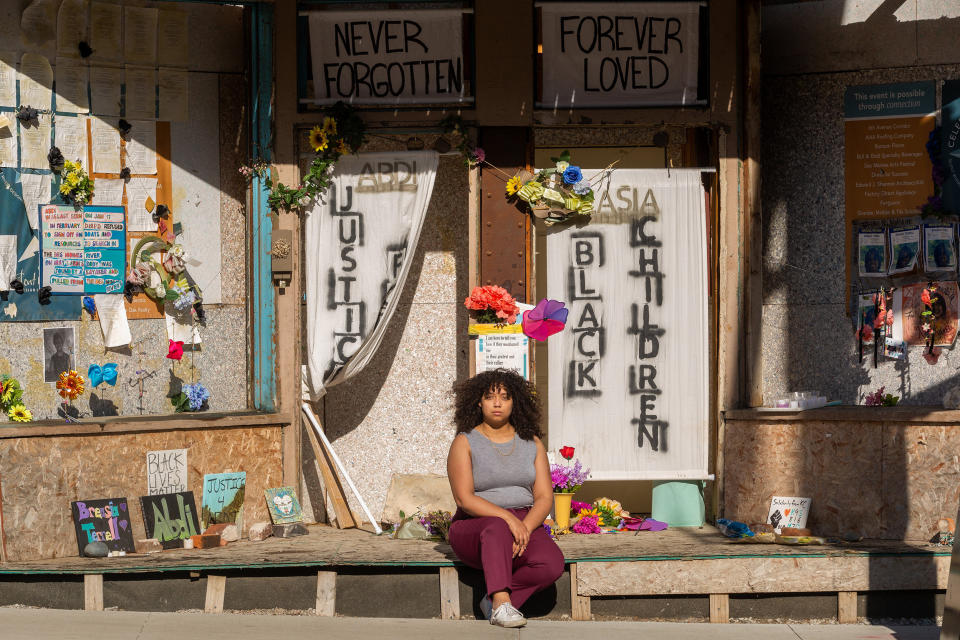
343,131
164,280
554,194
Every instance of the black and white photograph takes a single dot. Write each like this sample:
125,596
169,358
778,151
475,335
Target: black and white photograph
58,352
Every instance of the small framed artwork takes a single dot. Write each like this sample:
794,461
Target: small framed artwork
283,505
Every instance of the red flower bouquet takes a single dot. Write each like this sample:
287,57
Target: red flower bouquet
495,304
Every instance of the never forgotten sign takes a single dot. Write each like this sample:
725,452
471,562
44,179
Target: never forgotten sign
106,521
391,57
635,282
623,54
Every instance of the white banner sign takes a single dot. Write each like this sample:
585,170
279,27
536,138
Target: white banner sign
624,54
388,57
359,246
628,375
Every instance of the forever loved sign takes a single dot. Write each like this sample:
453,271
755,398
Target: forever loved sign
620,54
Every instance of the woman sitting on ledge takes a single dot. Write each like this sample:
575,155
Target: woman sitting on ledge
500,479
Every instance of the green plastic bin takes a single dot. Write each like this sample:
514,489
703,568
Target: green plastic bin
679,503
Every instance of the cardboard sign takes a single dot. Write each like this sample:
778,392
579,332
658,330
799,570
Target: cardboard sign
223,495
166,471
788,512
106,521
82,251
170,518
283,505
503,351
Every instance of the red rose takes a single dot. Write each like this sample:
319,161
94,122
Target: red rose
925,296
566,452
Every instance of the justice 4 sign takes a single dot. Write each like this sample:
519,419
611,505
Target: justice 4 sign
628,377
388,57
622,54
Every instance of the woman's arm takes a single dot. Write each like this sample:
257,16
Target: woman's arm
542,490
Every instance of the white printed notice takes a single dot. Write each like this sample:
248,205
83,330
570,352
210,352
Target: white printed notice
388,57
82,251
166,471
624,54
628,380
788,512
503,351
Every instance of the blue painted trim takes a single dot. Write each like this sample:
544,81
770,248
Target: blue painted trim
263,351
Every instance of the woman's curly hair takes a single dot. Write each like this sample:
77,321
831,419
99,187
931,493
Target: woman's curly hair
525,416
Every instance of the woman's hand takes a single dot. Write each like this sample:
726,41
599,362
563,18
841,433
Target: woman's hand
521,535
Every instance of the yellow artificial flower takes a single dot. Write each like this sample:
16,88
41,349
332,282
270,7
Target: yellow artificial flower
70,385
318,139
19,413
65,188
329,126
69,165
342,146
613,505
73,179
592,511
513,185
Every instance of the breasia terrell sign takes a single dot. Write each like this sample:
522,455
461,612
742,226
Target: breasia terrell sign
388,57
620,54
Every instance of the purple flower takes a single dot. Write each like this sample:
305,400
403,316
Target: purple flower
572,175
479,155
576,506
197,394
582,188
587,524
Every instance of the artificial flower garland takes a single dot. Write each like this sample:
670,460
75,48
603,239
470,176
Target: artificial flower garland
554,194
343,131
163,280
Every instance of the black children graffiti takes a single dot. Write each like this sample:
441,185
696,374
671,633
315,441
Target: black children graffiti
586,306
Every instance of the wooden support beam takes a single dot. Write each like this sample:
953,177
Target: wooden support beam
93,592
847,607
216,588
326,593
449,594
579,605
719,608
331,483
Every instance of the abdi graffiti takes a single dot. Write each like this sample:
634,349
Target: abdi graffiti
170,518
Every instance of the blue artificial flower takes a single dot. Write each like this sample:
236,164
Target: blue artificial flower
582,188
197,394
185,301
572,175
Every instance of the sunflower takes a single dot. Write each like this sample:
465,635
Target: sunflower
70,385
592,511
342,147
513,185
329,126
318,139
19,413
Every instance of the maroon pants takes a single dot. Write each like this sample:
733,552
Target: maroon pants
486,543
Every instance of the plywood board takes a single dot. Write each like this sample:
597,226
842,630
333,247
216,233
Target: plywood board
762,575
43,475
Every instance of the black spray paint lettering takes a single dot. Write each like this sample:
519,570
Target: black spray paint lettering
343,291
650,270
395,256
628,35
642,379
586,251
647,334
583,370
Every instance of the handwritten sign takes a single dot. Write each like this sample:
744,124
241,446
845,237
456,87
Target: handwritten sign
82,251
388,57
628,383
788,512
166,471
283,505
223,495
106,521
620,54
170,518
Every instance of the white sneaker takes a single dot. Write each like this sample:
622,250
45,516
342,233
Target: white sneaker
507,616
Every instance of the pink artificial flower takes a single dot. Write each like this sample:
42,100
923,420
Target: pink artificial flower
879,321
587,524
175,351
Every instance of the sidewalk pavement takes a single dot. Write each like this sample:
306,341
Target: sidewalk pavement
49,624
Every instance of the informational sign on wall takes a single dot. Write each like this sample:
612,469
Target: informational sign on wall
503,351
887,172
623,54
628,375
388,57
82,250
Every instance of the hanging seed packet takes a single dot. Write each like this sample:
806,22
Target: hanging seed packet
940,250
904,250
872,254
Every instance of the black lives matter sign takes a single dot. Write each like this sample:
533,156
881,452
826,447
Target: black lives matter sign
620,54
388,57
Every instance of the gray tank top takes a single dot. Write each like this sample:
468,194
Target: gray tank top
503,473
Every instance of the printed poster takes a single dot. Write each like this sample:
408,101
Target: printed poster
504,351
82,251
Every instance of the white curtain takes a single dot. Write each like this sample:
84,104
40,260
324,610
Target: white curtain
628,376
359,246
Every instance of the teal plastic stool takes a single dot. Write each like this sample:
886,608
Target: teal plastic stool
679,503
